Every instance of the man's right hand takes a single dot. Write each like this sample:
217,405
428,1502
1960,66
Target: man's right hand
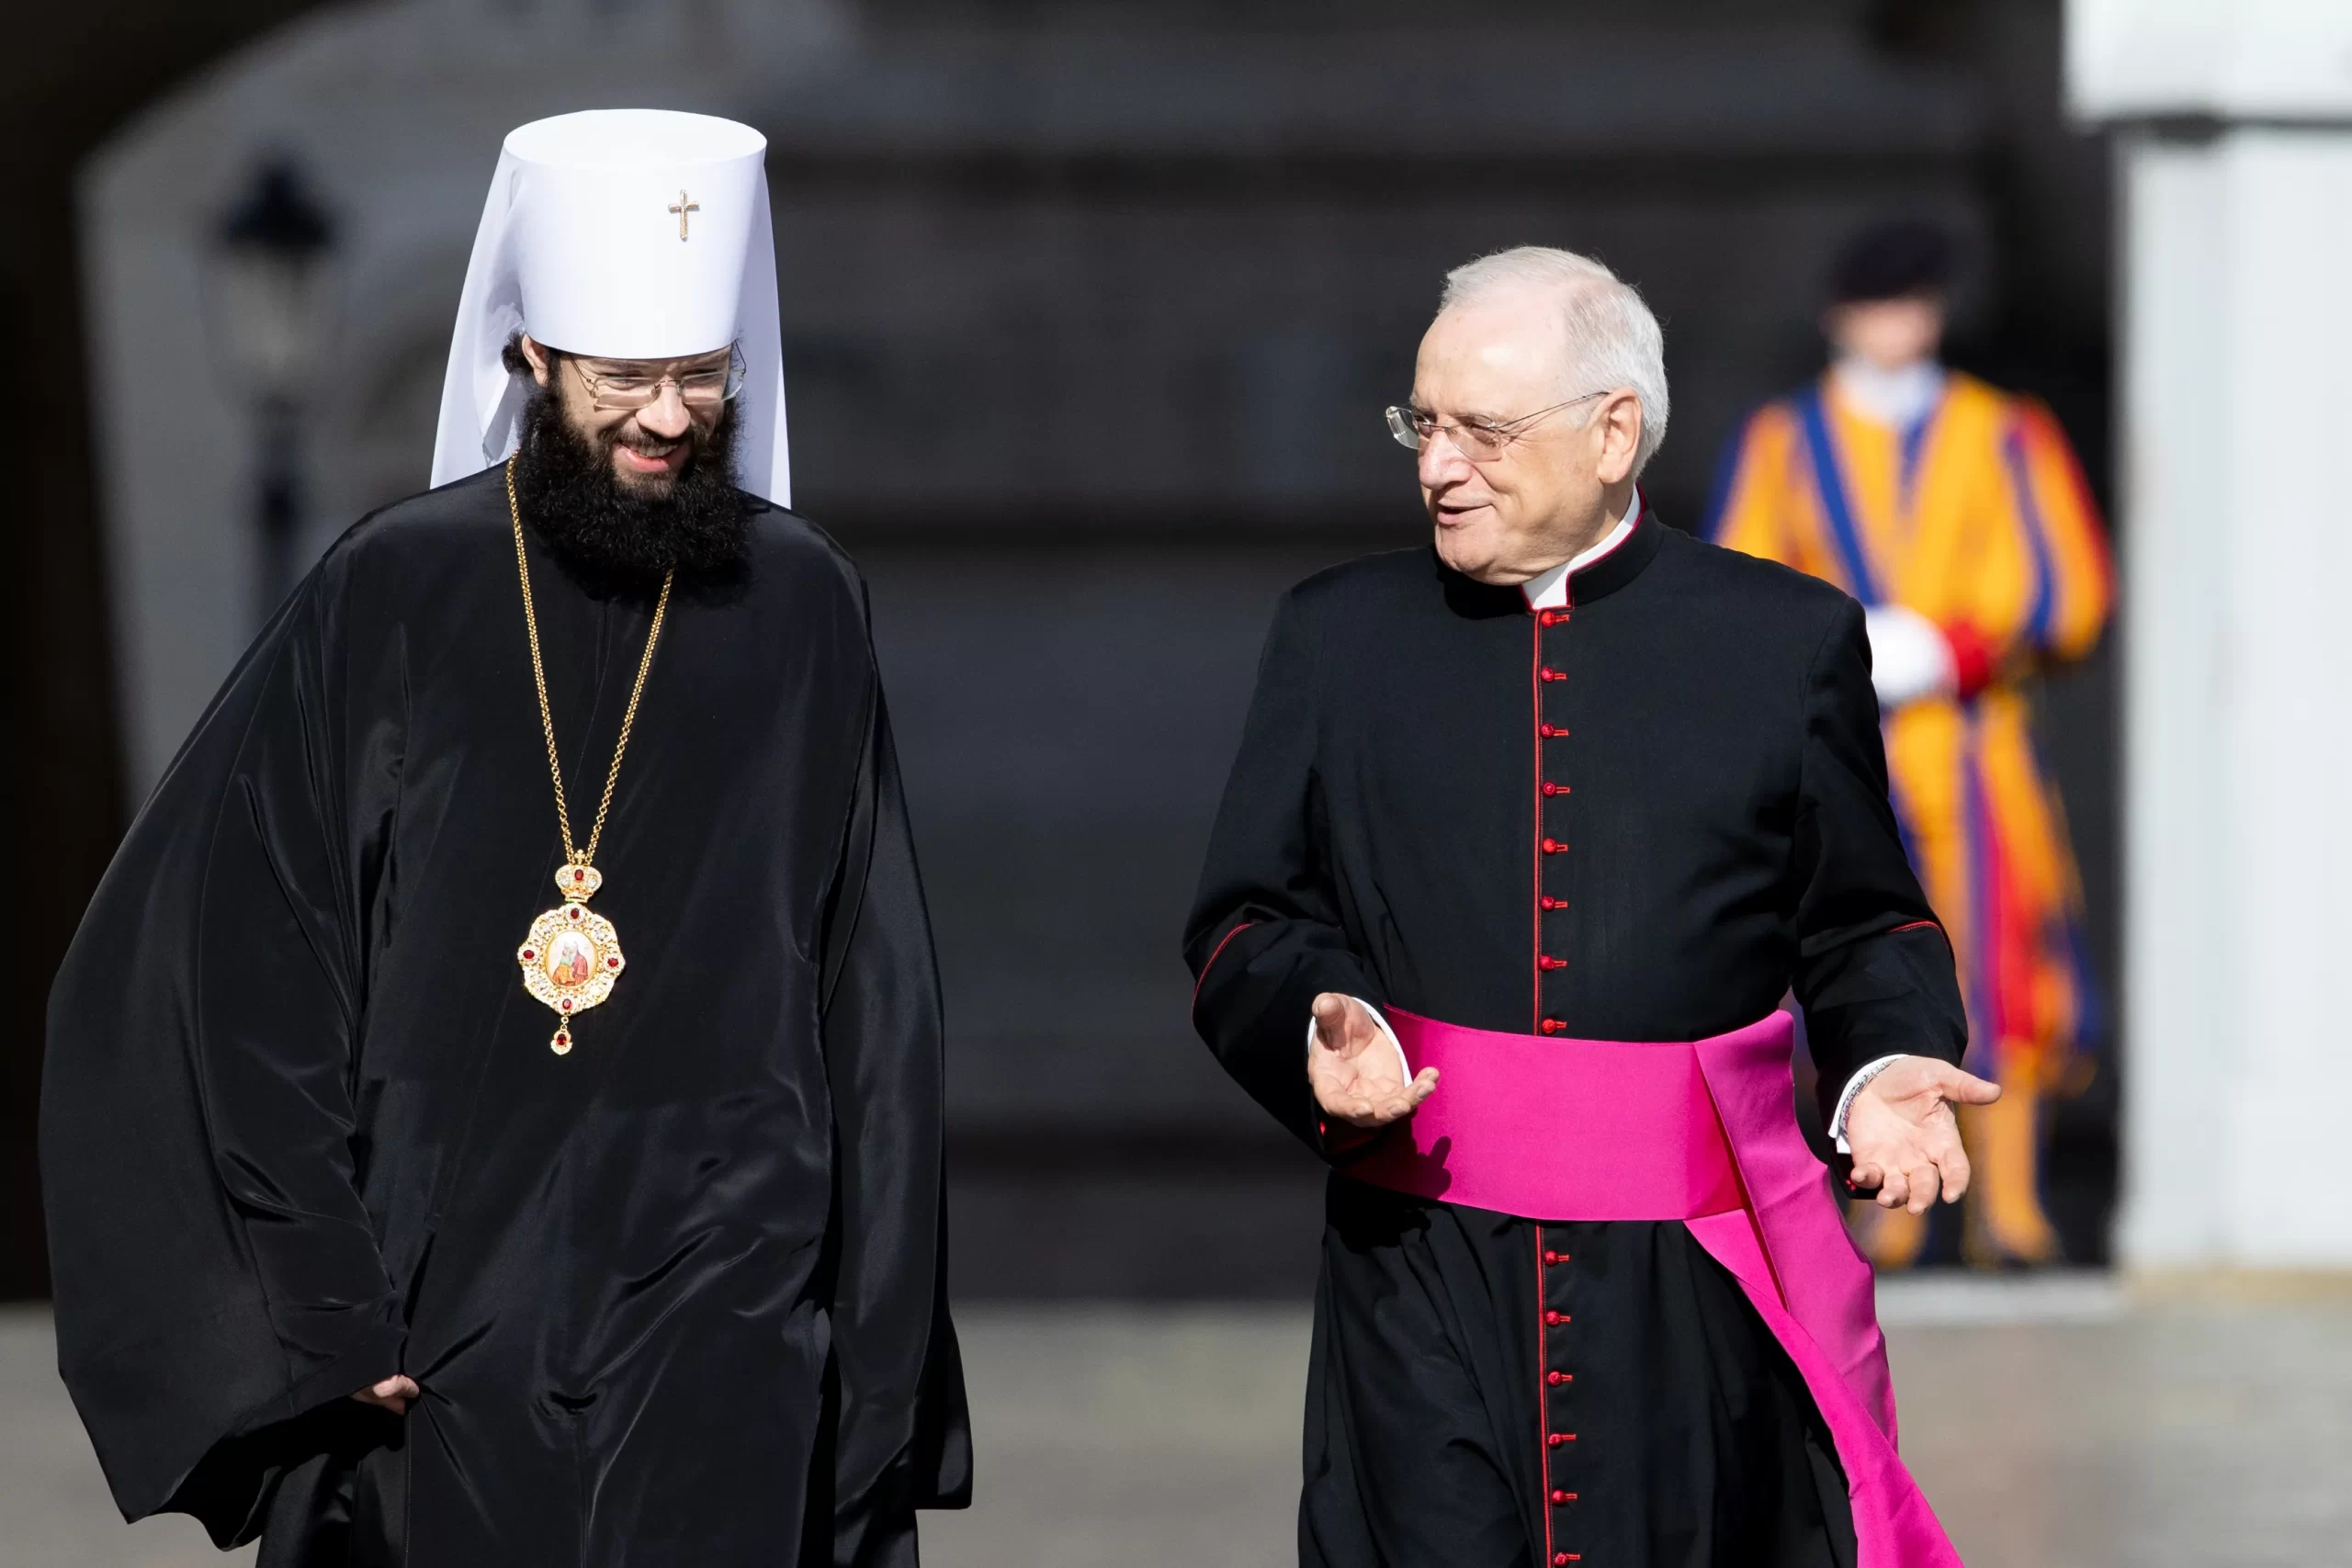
393,1394
1358,1074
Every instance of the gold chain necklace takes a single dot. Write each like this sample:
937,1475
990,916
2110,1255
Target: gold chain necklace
573,957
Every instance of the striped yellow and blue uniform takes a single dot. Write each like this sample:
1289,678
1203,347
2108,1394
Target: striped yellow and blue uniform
1977,518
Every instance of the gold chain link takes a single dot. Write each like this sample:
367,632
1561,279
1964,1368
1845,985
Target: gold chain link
546,715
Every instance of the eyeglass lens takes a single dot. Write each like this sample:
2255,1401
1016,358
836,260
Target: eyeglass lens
1416,431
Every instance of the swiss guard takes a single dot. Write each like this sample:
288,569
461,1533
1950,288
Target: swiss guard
1957,513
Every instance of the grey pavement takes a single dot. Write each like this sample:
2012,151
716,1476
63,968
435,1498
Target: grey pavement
2055,1424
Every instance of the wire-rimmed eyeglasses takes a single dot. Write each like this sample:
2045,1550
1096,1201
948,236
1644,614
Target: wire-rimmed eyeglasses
696,388
1479,439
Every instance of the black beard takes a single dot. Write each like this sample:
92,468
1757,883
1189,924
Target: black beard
612,537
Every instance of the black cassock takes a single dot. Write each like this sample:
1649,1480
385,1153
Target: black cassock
1645,816
676,1298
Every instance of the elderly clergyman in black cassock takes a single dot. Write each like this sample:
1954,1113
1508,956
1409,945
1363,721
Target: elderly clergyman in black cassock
492,1110
1528,835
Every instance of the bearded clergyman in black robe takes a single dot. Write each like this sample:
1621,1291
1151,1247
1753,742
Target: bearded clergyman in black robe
1529,835
492,1106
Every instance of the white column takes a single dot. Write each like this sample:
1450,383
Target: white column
2236,252
2285,675
2171,491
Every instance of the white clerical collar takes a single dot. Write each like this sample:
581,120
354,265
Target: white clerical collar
1896,399
1550,591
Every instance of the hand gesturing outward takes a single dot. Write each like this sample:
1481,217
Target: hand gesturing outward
1357,1071
1904,1137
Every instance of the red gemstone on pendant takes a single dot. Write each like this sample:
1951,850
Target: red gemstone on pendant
529,955
612,963
575,912
565,1004
579,875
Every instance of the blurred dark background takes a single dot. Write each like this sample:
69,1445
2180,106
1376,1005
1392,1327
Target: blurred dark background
1091,312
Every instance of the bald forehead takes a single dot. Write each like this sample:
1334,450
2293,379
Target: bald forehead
1485,355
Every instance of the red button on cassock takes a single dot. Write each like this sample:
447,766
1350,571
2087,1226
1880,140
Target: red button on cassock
1555,1319
1550,674
1557,1438
1554,617
1554,847
1556,1379
1554,1026
1550,1258
1547,962
1548,902
1563,1496
1557,789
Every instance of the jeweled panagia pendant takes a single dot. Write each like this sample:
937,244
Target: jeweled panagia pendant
572,956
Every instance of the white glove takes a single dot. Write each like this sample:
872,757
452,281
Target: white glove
1910,658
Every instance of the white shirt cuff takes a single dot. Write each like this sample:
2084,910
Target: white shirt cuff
1404,1067
1854,1085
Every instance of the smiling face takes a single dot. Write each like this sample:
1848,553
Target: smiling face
648,446
1564,479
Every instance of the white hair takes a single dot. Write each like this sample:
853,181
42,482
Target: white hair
1612,339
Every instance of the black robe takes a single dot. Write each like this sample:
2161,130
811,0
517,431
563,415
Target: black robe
1646,816
676,1298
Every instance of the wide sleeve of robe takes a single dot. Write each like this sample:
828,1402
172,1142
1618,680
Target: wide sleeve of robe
1264,938
1874,968
216,1275
903,1437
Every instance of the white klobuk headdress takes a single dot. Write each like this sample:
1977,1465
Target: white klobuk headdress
621,234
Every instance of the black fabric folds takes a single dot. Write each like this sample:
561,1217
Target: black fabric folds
1647,818
676,1298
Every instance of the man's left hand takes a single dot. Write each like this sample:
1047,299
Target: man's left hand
1904,1137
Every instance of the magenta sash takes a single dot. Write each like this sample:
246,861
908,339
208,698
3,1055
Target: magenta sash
1705,1132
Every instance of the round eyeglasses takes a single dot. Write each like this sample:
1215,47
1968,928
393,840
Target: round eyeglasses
696,388
1479,439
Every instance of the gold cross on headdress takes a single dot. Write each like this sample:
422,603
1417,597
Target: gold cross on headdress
682,206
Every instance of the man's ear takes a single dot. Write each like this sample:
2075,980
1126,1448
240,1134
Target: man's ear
536,356
1621,437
